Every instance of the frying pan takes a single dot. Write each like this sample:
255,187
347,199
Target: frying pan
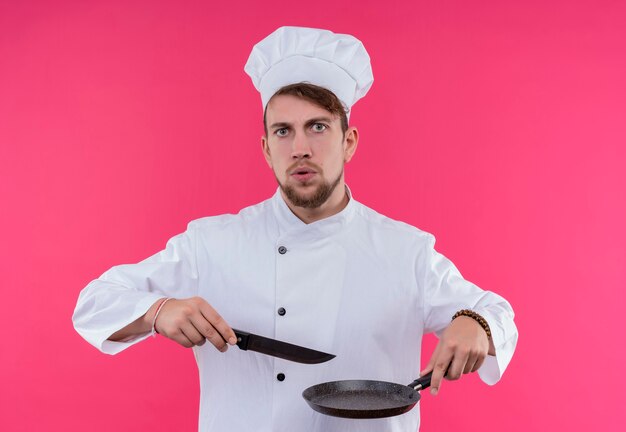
361,399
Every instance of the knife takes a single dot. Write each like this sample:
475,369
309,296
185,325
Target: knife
248,341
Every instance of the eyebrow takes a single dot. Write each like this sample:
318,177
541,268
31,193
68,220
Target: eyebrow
318,120
280,125
285,125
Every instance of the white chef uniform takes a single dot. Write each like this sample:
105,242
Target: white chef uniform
356,284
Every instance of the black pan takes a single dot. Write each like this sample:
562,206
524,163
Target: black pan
365,399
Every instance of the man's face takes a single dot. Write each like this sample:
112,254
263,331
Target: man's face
306,149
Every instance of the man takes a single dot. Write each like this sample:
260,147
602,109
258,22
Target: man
310,266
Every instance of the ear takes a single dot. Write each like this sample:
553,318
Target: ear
265,147
351,142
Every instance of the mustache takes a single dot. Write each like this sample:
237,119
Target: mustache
300,164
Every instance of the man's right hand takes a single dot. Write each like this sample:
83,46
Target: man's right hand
192,322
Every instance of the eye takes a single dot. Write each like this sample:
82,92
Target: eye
281,132
319,127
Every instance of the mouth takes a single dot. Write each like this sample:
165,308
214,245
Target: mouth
302,173
302,170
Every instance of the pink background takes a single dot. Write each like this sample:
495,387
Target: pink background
498,126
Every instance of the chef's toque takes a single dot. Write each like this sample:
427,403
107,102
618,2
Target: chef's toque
337,62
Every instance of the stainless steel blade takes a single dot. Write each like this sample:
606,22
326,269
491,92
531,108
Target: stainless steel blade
248,341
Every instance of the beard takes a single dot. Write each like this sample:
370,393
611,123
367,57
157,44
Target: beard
321,194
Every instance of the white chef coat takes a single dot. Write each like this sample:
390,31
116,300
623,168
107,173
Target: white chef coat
356,284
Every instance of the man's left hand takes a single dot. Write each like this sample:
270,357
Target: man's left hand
462,349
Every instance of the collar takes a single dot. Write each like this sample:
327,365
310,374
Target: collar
289,223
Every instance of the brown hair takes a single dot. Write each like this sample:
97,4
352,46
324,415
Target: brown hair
320,96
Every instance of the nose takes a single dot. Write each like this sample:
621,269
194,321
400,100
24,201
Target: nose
300,148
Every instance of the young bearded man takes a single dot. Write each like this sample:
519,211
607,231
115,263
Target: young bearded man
310,266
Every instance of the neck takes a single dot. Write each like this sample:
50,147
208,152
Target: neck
337,201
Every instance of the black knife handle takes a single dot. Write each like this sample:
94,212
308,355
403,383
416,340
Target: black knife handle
242,339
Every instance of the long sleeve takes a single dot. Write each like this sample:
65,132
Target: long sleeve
126,292
446,292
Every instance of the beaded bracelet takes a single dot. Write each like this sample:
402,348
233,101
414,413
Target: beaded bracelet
165,300
479,319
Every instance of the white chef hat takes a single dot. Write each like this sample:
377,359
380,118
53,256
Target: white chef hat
337,62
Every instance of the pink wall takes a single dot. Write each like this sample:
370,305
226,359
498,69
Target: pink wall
498,126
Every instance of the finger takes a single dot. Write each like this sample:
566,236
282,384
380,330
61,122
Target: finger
441,366
192,333
179,337
209,332
479,363
456,367
218,323
469,366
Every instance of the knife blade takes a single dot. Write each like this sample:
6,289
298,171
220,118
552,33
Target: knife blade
248,341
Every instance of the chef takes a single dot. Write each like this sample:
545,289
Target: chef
310,265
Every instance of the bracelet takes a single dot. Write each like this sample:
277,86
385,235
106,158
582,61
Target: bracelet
156,315
479,319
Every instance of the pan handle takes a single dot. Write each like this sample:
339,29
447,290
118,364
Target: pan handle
422,382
